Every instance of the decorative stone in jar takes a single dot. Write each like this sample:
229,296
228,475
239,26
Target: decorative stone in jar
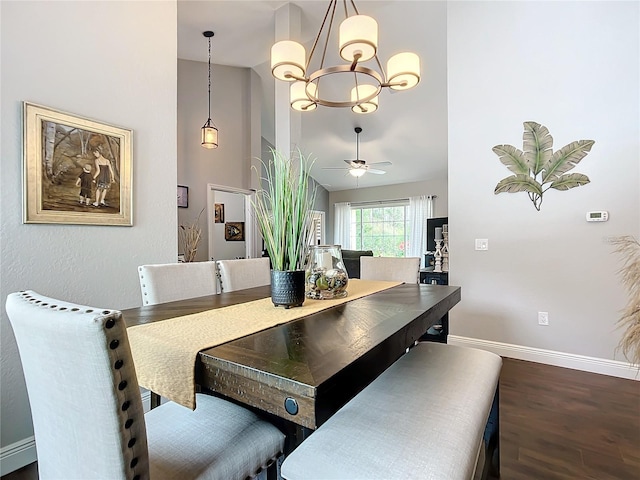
326,276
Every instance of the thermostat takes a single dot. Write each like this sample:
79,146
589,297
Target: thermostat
601,216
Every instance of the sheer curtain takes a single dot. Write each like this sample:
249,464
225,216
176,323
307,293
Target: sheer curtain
420,208
342,225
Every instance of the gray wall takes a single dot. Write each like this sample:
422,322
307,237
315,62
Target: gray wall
234,109
437,187
106,61
561,65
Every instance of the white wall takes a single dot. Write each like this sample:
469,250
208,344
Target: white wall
113,62
573,67
437,187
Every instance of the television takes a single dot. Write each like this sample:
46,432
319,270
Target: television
432,223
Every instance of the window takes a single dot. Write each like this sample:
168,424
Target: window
380,228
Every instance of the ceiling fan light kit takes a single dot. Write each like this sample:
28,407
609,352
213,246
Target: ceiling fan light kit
358,43
358,167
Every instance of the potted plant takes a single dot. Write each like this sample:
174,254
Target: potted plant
283,209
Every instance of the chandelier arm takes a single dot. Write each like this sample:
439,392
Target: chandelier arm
354,7
326,41
315,42
384,74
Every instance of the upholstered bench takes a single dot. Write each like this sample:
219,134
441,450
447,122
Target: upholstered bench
424,417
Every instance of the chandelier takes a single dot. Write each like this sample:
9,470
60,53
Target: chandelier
358,43
209,130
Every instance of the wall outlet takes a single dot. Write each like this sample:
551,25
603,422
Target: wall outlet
543,318
482,244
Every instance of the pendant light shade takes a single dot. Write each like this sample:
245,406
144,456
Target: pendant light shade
209,136
209,130
358,38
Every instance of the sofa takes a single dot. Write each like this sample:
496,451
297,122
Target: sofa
351,259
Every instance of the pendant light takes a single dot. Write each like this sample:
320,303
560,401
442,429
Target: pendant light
209,130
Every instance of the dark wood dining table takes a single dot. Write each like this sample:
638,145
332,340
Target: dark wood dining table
300,373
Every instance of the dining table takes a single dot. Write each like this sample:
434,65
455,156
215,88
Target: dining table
299,373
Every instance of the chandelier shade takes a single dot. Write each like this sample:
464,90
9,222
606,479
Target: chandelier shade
403,70
358,38
360,94
288,60
315,84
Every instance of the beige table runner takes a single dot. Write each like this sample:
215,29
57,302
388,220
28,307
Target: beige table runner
165,352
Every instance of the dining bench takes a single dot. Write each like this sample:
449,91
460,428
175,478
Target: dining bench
424,417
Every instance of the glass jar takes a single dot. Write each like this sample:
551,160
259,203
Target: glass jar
326,276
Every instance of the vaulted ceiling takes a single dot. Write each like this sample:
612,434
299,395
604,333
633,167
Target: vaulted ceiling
409,129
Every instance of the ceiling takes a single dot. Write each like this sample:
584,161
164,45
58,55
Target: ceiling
409,128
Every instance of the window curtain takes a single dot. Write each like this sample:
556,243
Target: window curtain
342,225
420,208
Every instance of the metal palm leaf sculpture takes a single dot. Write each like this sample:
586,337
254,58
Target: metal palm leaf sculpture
537,168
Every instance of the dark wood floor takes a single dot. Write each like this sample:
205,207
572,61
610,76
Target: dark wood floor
564,424
557,423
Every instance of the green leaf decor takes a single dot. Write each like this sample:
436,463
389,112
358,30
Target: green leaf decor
537,168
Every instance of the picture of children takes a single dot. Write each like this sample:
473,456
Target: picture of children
85,181
103,178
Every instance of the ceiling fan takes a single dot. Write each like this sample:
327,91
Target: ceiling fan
359,167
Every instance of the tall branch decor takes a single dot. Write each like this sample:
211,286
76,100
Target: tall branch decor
537,168
629,248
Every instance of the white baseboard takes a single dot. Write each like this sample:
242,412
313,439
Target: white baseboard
603,366
17,455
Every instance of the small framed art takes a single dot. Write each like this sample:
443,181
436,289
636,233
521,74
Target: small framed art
183,196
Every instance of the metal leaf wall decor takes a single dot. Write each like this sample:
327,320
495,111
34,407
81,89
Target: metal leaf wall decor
537,168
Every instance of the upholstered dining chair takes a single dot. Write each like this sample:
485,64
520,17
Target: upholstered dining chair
87,412
168,282
244,273
400,269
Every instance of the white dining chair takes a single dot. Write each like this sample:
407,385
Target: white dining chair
87,412
168,282
400,269
244,273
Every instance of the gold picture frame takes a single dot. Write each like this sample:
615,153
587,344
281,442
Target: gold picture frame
76,170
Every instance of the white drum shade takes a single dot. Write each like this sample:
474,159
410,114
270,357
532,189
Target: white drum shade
298,96
403,68
358,34
287,57
364,91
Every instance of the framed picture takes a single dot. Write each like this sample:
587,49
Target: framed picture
183,196
234,231
219,213
76,170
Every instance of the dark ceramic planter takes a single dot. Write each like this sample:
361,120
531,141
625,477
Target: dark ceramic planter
287,288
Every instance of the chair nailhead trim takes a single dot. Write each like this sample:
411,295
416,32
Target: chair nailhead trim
125,405
118,365
134,462
137,477
132,442
122,385
128,423
114,344
110,323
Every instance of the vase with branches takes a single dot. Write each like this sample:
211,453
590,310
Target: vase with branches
283,210
190,236
629,248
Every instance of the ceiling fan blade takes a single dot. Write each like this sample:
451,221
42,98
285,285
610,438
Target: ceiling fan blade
335,168
377,172
379,164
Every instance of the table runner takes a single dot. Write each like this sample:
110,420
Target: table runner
165,352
